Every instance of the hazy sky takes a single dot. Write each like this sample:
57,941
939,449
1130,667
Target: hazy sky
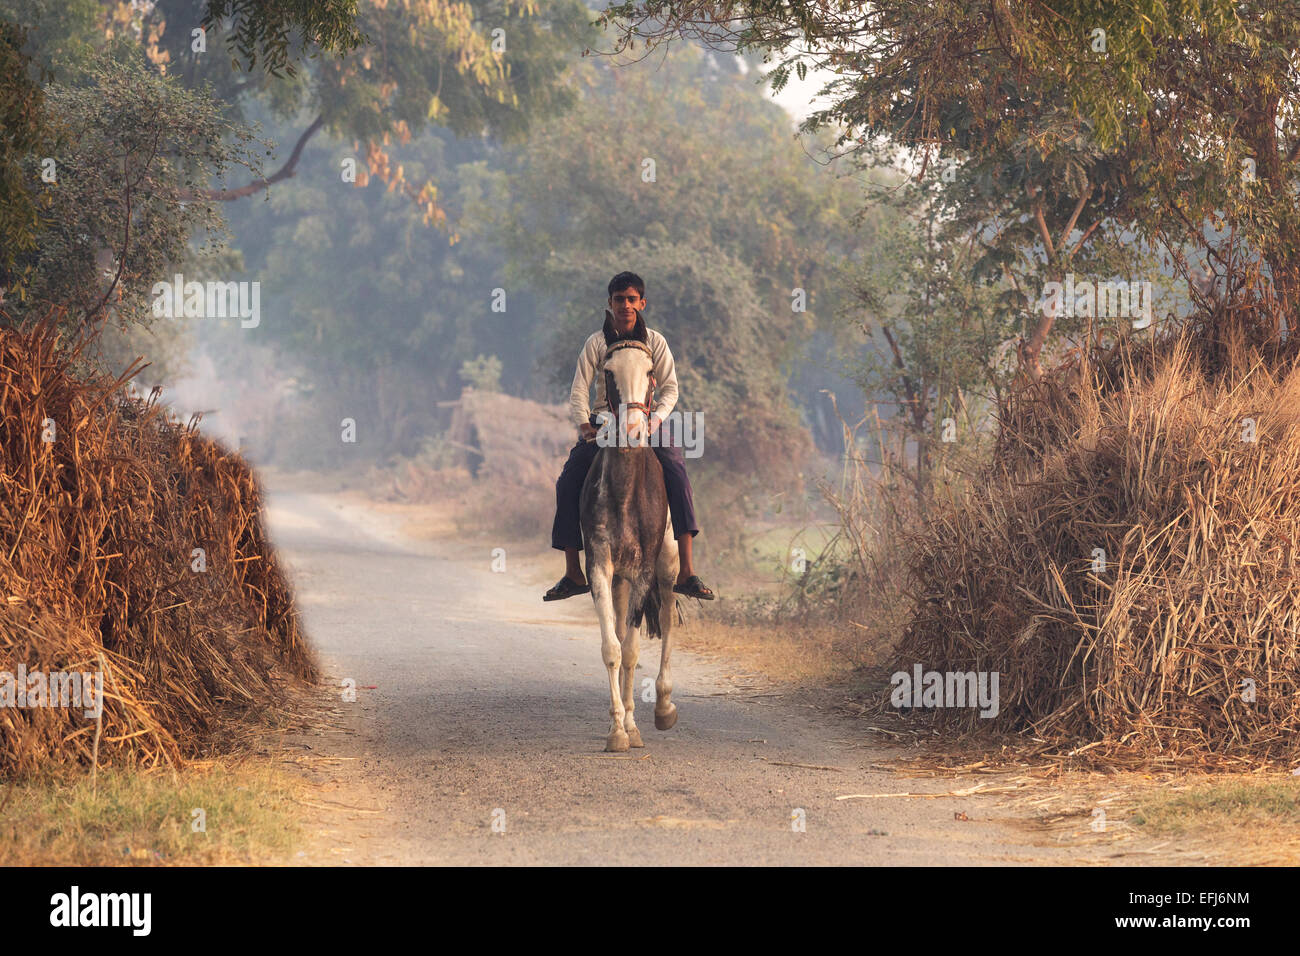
798,97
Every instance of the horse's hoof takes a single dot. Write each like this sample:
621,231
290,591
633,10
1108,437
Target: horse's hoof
634,737
616,743
666,721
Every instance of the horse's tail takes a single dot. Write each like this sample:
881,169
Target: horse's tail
649,610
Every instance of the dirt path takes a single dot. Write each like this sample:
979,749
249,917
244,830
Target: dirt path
474,697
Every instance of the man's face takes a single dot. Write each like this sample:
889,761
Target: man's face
624,304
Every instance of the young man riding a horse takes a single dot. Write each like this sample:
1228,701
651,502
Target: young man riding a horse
623,320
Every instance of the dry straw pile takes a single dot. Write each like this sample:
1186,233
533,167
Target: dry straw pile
1182,465
511,441
504,454
98,531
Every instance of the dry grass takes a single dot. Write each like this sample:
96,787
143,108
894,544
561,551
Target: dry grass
146,818
814,655
1200,819
1244,822
1176,816
854,584
1224,803
1200,531
103,501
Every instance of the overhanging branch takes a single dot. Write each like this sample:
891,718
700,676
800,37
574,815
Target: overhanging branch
284,172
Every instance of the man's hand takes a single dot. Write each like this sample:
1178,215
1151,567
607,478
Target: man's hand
587,431
654,422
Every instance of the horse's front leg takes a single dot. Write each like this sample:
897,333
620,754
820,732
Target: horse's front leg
602,594
627,639
665,577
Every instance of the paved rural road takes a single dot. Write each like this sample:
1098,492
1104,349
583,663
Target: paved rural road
485,698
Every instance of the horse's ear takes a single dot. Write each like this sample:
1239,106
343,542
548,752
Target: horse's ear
610,335
638,331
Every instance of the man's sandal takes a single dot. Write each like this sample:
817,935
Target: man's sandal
695,588
566,588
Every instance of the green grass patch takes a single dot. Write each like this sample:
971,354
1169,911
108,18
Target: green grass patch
772,546
1222,804
147,818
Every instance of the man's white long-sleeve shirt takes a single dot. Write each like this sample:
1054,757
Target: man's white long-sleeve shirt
592,359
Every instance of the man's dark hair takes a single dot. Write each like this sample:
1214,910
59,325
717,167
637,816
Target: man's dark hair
626,280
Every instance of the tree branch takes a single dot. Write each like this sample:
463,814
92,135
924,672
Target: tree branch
909,388
126,240
284,172
126,227
1084,238
1042,226
1074,216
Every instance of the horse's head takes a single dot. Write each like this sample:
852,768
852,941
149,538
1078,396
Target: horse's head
629,387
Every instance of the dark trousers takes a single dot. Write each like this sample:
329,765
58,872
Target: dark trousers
567,530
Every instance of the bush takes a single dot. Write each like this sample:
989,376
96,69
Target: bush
1175,466
103,502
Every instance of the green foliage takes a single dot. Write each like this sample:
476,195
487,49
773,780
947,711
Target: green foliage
269,30
62,35
937,330
116,219
367,302
22,133
735,220
1088,136
488,67
482,373
424,52
726,172
390,338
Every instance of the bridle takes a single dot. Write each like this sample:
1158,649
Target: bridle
612,389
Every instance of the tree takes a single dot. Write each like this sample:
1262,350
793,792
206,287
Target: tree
938,334
1072,121
102,153
256,28
691,180
125,144
22,133
372,309
686,153
478,68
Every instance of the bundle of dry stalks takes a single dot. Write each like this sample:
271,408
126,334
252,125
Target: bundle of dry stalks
1129,565
501,455
510,441
105,502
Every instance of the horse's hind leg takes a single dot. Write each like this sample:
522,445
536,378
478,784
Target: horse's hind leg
601,580
665,577
627,639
